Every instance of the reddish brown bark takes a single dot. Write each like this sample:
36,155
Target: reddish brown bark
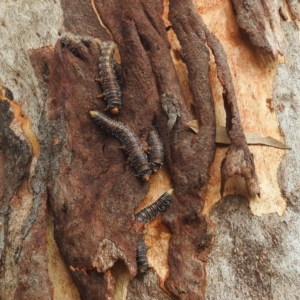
239,159
92,193
190,158
94,196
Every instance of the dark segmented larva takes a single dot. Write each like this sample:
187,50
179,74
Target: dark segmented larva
150,212
136,155
156,151
141,256
118,71
110,73
77,44
71,41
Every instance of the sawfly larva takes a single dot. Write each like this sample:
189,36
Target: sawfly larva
136,155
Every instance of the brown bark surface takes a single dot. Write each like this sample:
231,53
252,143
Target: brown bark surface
77,176
107,191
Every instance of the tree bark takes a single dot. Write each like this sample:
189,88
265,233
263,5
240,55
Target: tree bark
68,201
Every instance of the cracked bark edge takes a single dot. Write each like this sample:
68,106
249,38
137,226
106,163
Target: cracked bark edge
17,153
107,254
33,276
239,159
260,20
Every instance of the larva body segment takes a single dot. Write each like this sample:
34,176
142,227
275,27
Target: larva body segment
118,71
136,155
150,212
110,73
141,256
77,44
71,41
156,151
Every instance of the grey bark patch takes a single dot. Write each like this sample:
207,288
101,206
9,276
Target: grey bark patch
28,25
286,103
146,288
294,8
253,256
170,107
107,254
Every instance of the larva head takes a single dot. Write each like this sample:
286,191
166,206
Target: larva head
146,177
114,111
154,170
146,149
169,192
93,113
97,116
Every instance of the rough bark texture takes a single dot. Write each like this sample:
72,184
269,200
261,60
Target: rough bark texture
260,20
67,226
239,160
264,249
189,159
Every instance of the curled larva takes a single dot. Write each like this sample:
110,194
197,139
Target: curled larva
136,155
110,73
155,151
150,212
141,256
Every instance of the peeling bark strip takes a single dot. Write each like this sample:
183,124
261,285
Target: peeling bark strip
150,212
260,20
192,158
239,159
